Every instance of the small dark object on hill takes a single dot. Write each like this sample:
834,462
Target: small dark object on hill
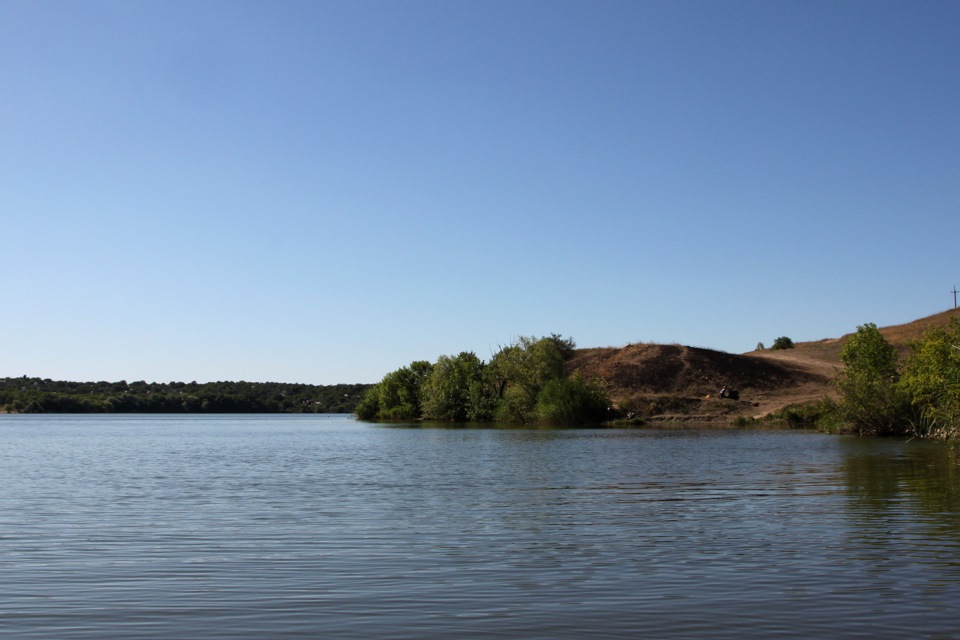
731,394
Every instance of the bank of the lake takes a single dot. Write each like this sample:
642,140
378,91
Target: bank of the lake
43,395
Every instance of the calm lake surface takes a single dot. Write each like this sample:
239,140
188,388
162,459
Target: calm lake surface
305,526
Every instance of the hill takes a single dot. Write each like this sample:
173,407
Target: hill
675,382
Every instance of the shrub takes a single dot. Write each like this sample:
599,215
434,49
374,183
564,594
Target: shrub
570,401
871,401
369,406
743,422
801,415
783,342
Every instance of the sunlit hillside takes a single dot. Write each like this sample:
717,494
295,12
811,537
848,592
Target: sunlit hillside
676,382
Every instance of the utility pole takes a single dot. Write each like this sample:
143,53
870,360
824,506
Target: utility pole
954,292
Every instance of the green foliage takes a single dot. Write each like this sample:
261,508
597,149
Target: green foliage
831,418
35,395
881,396
570,401
822,415
783,342
565,346
450,390
872,402
515,406
400,391
519,372
868,352
369,406
803,415
931,379
529,363
482,401
524,382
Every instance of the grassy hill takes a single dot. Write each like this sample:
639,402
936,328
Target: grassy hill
675,382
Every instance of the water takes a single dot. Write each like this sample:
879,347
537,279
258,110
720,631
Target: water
303,526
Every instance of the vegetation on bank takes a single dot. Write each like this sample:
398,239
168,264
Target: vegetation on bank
36,395
882,394
536,381
525,382
919,396
802,415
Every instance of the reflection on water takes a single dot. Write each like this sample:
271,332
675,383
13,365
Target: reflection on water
905,520
241,526
882,475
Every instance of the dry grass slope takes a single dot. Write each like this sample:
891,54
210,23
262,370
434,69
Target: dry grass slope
674,382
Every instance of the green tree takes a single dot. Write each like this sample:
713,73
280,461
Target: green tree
447,391
400,391
369,406
931,379
522,369
483,399
465,388
871,401
783,342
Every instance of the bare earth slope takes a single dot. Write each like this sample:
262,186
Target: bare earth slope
674,382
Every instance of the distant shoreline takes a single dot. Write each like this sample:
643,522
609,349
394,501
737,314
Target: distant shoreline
37,395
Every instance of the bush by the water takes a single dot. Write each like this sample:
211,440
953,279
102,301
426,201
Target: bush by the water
819,414
879,395
569,401
931,379
872,403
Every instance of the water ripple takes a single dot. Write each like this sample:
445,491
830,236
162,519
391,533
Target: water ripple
242,527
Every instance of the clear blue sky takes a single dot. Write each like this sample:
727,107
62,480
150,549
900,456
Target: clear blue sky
323,191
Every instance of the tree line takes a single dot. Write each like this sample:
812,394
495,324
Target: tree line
36,395
524,382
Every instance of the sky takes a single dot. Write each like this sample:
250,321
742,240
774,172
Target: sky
324,191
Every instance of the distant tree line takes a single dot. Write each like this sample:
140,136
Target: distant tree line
524,382
36,395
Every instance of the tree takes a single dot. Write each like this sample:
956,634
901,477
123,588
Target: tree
399,396
36,395
871,402
931,379
447,392
783,342
522,369
463,388
369,406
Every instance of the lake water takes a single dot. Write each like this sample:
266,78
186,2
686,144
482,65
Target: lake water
306,526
